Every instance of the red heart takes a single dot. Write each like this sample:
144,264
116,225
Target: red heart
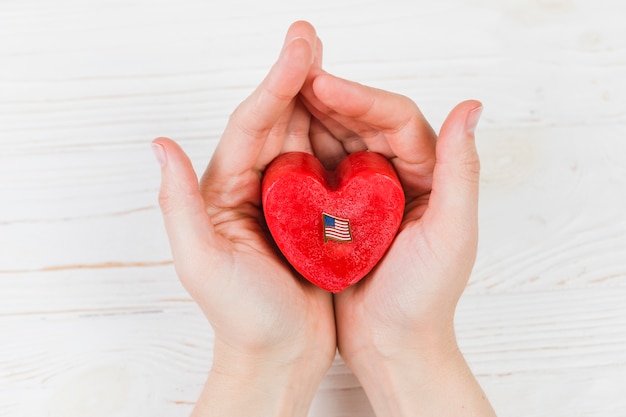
332,226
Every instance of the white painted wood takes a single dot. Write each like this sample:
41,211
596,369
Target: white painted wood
93,321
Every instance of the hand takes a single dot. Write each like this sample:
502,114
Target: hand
274,332
395,328
419,281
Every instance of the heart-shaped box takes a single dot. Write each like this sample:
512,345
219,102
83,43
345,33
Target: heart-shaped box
332,226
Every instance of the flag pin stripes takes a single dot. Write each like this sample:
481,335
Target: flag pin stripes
336,229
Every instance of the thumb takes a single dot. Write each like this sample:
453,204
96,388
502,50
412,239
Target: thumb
186,220
454,197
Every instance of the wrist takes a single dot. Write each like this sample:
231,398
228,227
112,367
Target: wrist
260,383
433,339
429,379
391,355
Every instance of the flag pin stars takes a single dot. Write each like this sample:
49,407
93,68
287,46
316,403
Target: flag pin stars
336,229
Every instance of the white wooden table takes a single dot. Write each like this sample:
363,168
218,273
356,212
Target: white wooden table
93,321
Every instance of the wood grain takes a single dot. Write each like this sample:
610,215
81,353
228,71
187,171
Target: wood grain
92,318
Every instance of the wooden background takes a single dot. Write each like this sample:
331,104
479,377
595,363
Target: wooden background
93,321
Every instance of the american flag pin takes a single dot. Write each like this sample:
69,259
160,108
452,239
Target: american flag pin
336,229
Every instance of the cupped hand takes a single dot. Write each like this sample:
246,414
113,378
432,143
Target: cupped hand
255,303
408,301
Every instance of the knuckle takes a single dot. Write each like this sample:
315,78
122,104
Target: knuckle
470,167
247,122
181,201
166,202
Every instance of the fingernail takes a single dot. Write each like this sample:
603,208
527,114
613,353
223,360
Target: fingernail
472,120
159,153
289,42
296,39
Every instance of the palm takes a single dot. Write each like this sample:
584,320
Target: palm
250,296
252,272
221,251
392,298
418,282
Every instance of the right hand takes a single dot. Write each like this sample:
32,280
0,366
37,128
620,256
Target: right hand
395,328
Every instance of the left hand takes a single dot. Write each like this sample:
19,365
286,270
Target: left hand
275,331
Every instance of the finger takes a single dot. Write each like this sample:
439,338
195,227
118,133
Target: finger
330,140
322,113
325,147
186,221
350,141
319,53
254,119
290,133
390,124
276,139
315,70
326,117
454,196
370,112
357,137
296,136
